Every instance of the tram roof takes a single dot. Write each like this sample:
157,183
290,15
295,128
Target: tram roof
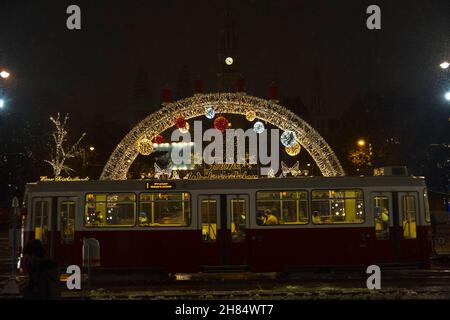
256,184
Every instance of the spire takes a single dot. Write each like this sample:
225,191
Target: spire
228,37
184,89
227,57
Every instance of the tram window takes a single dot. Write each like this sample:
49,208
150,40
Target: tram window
238,219
426,206
382,217
282,207
164,210
110,210
40,220
409,217
67,218
337,206
209,220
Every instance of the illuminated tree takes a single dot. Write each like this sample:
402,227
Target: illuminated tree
361,156
59,150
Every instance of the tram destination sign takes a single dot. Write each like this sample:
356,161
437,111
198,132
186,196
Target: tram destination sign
153,185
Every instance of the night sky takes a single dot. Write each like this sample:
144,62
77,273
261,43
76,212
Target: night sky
308,47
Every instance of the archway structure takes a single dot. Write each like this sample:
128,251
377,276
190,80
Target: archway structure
223,103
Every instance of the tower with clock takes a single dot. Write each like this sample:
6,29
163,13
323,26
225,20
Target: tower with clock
227,58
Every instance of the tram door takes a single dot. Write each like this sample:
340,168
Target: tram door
224,222
40,224
65,237
384,247
408,219
395,221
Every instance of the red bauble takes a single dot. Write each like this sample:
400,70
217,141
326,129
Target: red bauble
158,139
221,124
180,122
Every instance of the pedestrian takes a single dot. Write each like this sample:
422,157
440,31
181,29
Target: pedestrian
43,275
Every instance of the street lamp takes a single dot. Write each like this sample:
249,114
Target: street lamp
92,148
447,96
4,74
361,142
444,65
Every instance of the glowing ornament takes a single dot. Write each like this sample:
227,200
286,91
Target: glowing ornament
175,175
158,139
271,173
294,149
221,124
180,122
288,138
210,113
145,146
185,129
258,127
250,115
294,170
162,172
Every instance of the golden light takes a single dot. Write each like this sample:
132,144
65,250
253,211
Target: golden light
250,115
294,149
361,142
145,146
92,148
4,74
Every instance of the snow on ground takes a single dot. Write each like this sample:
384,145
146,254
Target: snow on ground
283,293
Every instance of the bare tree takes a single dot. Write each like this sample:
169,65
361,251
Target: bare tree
59,150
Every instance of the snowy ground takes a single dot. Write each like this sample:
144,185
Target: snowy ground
435,285
289,292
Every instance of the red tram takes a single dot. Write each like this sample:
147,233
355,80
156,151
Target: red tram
263,225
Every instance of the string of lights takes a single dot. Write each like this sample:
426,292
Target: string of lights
222,103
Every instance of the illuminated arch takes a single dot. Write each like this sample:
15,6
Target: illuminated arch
232,103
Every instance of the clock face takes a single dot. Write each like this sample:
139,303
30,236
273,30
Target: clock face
229,61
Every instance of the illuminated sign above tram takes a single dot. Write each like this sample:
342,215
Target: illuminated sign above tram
159,185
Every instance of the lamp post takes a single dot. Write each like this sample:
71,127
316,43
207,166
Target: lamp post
11,287
445,66
4,74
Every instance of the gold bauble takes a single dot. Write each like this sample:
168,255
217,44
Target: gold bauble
294,149
145,146
250,115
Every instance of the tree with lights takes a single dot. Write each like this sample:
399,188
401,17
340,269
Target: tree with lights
59,150
362,156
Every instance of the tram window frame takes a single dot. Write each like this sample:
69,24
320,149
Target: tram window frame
426,206
105,226
362,200
411,234
384,231
279,224
67,234
43,228
209,226
189,222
